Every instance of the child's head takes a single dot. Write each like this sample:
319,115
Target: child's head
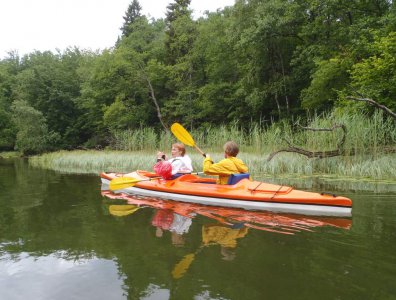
231,148
178,149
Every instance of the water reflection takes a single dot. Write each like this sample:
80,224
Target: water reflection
177,225
267,221
55,276
225,236
60,239
226,227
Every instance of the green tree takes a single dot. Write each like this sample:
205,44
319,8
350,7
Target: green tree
215,71
50,83
33,135
182,71
334,35
118,93
131,15
264,37
9,67
330,77
7,130
375,76
175,49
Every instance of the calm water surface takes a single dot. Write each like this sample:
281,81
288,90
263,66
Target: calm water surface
61,237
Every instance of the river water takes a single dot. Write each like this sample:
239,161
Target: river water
61,237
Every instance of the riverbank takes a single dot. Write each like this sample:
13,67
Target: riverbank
285,165
10,154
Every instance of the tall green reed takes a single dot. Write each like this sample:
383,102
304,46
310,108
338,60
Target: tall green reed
366,137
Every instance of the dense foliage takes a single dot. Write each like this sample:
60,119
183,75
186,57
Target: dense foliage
256,61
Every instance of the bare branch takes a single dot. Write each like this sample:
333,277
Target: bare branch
316,154
374,103
152,94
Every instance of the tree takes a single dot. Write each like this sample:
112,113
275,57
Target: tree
124,81
131,15
214,77
330,77
7,130
143,51
32,131
175,11
375,76
9,67
264,36
335,35
50,84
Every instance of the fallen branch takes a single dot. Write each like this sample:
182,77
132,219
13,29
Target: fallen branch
316,154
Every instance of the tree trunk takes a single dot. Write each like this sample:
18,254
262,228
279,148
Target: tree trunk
152,95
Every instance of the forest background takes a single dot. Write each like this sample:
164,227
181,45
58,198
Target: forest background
249,67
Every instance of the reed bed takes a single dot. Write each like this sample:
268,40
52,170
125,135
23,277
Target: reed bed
366,136
10,154
94,162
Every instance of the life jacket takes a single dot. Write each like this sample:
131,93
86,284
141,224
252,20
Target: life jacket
164,169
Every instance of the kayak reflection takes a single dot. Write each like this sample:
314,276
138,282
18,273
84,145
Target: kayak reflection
214,234
231,224
260,220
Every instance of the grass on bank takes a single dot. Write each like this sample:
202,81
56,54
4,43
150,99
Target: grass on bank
94,162
10,154
366,136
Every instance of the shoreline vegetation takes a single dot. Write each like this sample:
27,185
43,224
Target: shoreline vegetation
369,139
10,154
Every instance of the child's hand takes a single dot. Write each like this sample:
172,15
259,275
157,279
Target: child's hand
160,155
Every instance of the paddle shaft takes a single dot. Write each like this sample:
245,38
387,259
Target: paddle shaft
200,151
124,182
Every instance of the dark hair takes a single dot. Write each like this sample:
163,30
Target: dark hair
231,148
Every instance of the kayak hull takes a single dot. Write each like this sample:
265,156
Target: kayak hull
249,195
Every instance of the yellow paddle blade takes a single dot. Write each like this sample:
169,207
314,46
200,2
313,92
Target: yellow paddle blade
182,266
123,182
182,134
122,210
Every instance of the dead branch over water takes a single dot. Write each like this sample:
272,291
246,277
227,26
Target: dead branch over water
316,154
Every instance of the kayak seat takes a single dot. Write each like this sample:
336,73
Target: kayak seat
234,178
177,175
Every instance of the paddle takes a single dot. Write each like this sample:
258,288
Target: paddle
182,266
184,136
122,210
120,183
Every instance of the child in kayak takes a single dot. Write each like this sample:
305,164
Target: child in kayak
179,163
227,166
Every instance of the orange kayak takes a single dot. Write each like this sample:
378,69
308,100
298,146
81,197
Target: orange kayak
246,194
